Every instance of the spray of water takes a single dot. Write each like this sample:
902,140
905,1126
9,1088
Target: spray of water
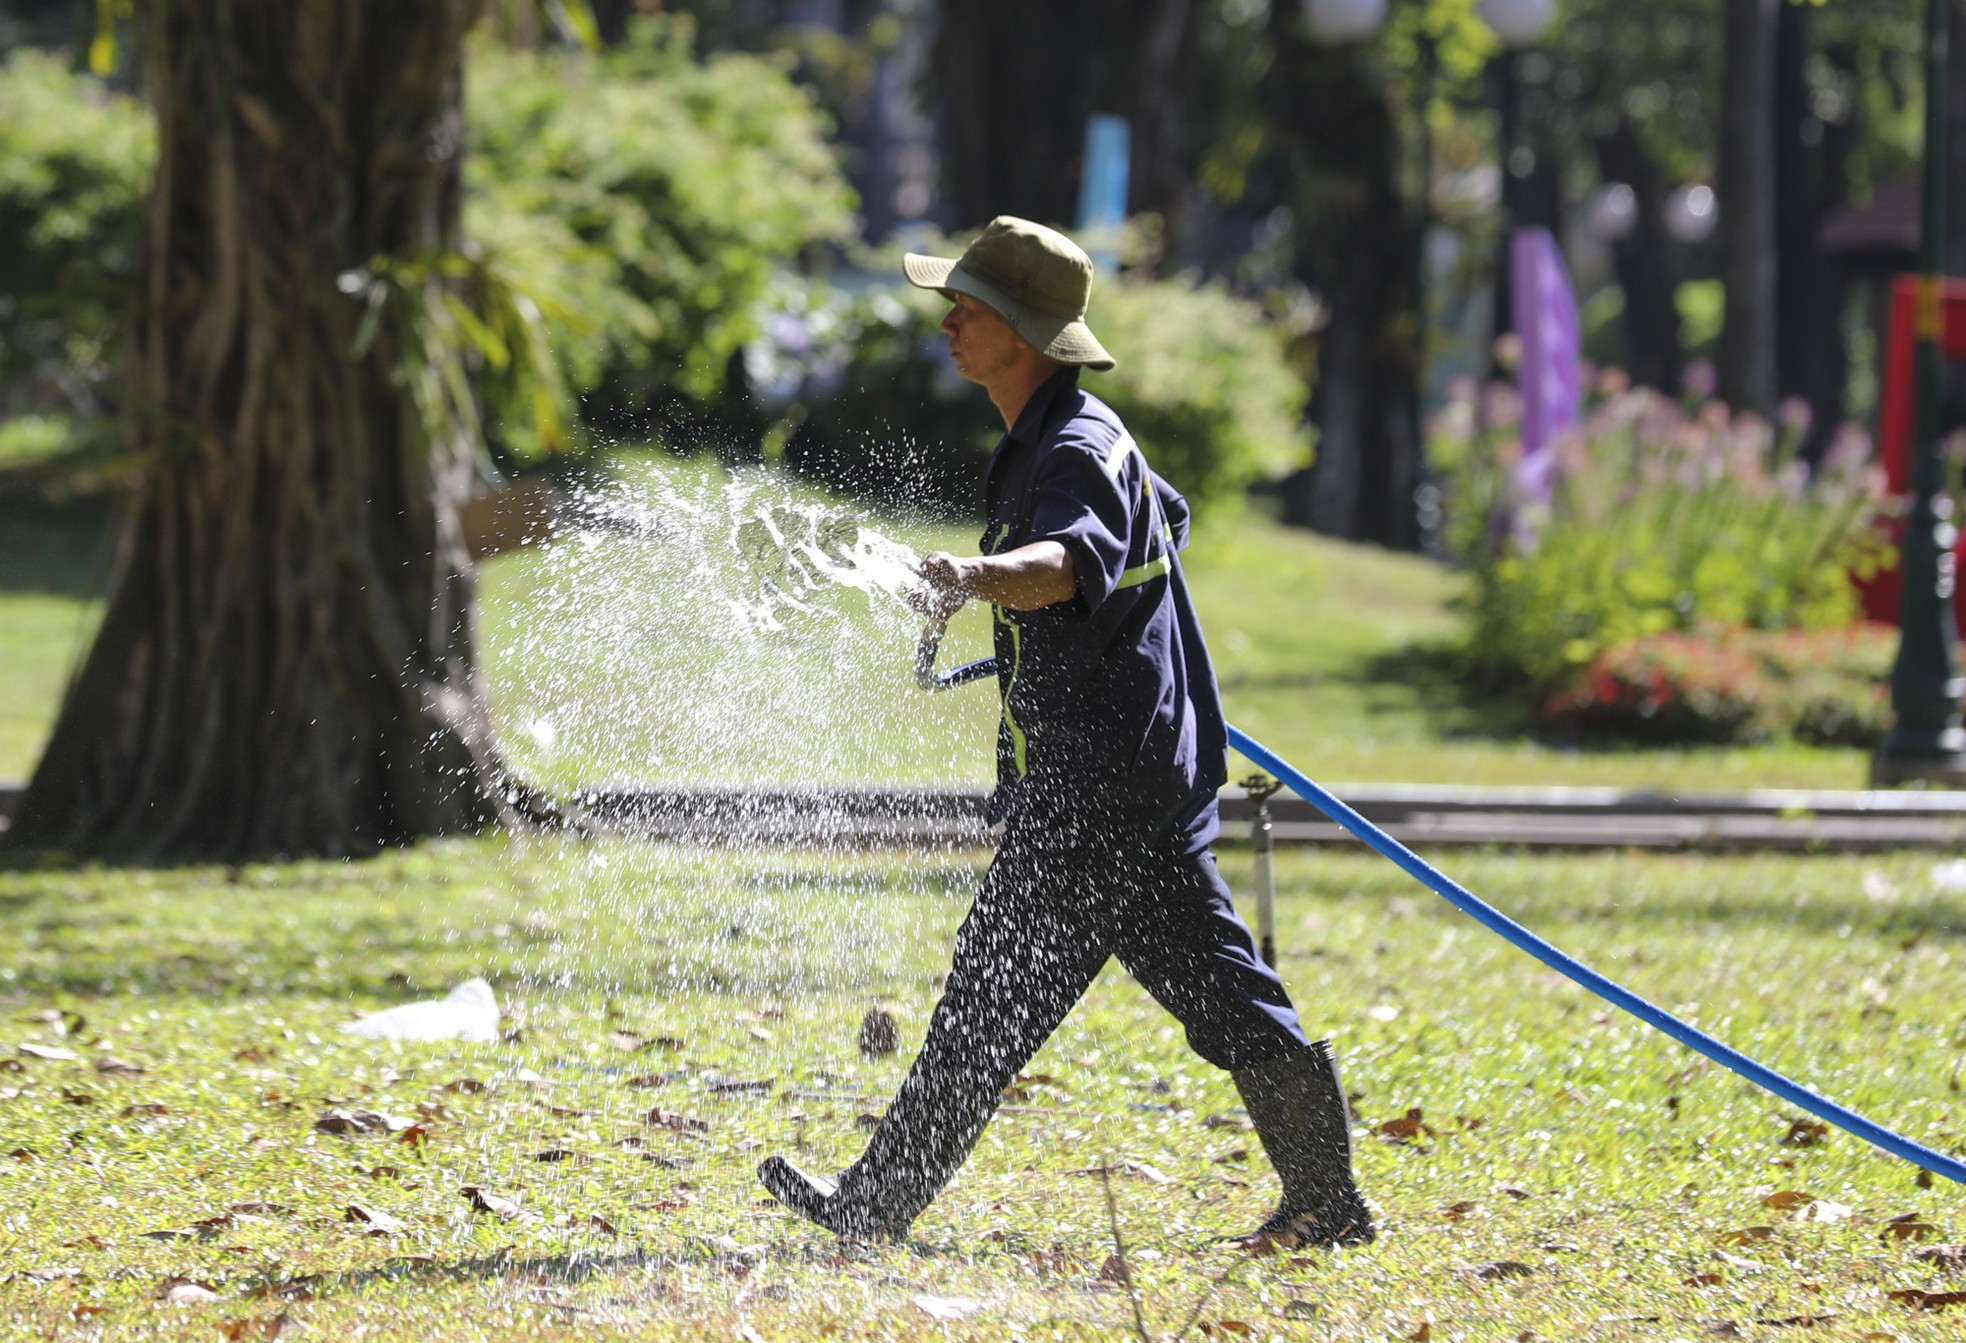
702,628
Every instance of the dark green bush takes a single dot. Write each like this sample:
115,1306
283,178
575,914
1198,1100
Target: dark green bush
649,198
75,164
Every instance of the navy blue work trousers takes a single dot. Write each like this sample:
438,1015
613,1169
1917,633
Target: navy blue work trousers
1063,895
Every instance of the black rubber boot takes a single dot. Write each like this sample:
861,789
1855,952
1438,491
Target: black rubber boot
819,1201
1298,1108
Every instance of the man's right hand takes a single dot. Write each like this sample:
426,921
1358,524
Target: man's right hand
945,585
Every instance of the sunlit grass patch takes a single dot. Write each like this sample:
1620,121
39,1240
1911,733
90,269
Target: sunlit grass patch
675,1014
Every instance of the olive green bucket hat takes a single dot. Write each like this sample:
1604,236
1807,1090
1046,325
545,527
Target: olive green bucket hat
1035,278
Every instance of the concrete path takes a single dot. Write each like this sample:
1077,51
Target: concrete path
1416,814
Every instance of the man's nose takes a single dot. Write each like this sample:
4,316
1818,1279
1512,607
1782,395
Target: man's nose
949,321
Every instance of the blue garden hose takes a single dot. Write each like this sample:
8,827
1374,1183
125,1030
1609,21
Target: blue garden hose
1495,921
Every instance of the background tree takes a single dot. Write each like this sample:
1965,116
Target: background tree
1746,367
286,663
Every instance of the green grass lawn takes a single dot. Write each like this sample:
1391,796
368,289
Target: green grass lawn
1640,1193
614,659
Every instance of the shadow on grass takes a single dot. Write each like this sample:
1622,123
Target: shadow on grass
1427,680
575,1267
54,549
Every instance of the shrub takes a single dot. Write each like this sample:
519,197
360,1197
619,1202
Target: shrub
650,198
1202,382
1661,521
1727,685
75,163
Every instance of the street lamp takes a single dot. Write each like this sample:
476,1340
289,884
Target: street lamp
1336,22
1926,740
1691,213
1519,24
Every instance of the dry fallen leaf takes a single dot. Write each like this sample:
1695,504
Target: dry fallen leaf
1500,1269
467,1086
1114,1270
1805,1133
1747,1235
352,1123
1405,1129
1788,1198
680,1123
372,1222
265,1326
109,1065
1908,1226
484,1200
1918,1300
1949,1257
1457,1212
662,1204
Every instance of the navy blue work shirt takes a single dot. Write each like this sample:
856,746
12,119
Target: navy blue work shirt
1109,699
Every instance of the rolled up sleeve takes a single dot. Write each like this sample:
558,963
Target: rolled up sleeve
1087,508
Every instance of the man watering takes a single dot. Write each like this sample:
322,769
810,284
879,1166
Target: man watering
1109,755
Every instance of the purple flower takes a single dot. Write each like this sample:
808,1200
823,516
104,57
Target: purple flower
1699,379
1795,415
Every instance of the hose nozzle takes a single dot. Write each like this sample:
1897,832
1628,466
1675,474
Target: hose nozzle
925,654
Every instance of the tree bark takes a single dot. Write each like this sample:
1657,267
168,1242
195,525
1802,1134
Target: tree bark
1812,181
1357,250
1746,363
286,663
1015,82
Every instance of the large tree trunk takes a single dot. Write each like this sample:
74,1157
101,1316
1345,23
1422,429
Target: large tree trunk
1356,249
286,662
1812,181
1014,83
1746,364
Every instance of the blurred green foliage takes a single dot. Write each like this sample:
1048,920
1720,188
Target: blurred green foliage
75,164
649,197
1660,521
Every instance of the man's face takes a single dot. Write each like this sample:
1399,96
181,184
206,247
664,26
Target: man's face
982,344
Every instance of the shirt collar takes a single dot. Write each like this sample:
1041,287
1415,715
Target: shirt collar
1031,420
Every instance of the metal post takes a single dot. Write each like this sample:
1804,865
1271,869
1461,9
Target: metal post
1261,787
1926,741
1509,108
